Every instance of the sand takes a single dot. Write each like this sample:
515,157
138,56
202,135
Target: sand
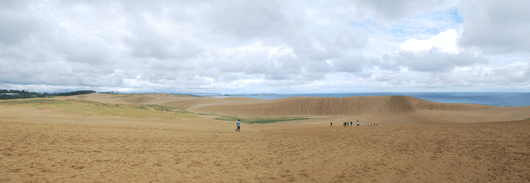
416,141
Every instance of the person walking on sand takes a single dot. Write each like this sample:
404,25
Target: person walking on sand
238,126
358,124
351,123
330,124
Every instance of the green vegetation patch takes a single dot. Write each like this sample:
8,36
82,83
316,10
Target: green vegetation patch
31,102
259,120
142,107
102,109
158,108
161,107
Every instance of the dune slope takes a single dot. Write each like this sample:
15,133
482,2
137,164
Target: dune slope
38,145
380,109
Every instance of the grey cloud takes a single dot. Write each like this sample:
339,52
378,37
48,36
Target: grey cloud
496,27
315,50
162,31
346,39
58,73
433,61
16,24
15,28
373,10
353,62
93,50
506,76
146,42
248,18
350,64
364,74
527,72
477,78
396,10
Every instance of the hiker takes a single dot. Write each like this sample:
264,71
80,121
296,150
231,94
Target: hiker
358,124
238,126
330,124
351,123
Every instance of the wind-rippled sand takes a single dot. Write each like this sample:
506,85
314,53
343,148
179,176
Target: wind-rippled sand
40,145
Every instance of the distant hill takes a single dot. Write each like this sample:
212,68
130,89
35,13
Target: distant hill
19,94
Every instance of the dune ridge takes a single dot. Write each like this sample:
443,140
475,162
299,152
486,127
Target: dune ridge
378,108
371,109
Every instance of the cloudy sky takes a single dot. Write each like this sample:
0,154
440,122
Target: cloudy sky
265,46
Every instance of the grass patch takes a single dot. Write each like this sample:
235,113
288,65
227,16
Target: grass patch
161,107
31,102
102,109
259,120
142,107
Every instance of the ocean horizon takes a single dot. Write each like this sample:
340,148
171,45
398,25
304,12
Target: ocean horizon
503,99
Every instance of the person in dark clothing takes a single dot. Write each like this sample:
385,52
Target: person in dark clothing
238,126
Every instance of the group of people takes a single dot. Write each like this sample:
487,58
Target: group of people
345,124
350,124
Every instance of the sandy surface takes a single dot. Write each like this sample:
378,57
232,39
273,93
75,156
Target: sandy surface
416,141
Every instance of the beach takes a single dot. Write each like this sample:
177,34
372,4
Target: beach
415,140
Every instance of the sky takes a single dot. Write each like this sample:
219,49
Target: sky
265,46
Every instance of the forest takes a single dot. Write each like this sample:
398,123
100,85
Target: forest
17,94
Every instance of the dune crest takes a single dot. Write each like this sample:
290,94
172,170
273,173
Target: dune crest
325,106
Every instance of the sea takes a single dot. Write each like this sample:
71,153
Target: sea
504,99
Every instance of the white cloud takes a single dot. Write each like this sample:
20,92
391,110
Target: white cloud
445,42
271,46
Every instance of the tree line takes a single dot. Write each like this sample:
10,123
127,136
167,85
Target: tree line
17,94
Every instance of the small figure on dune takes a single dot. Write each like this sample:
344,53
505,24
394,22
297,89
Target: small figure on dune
358,124
238,126
331,124
351,123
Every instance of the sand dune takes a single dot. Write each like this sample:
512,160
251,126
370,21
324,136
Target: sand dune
370,109
422,141
377,109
